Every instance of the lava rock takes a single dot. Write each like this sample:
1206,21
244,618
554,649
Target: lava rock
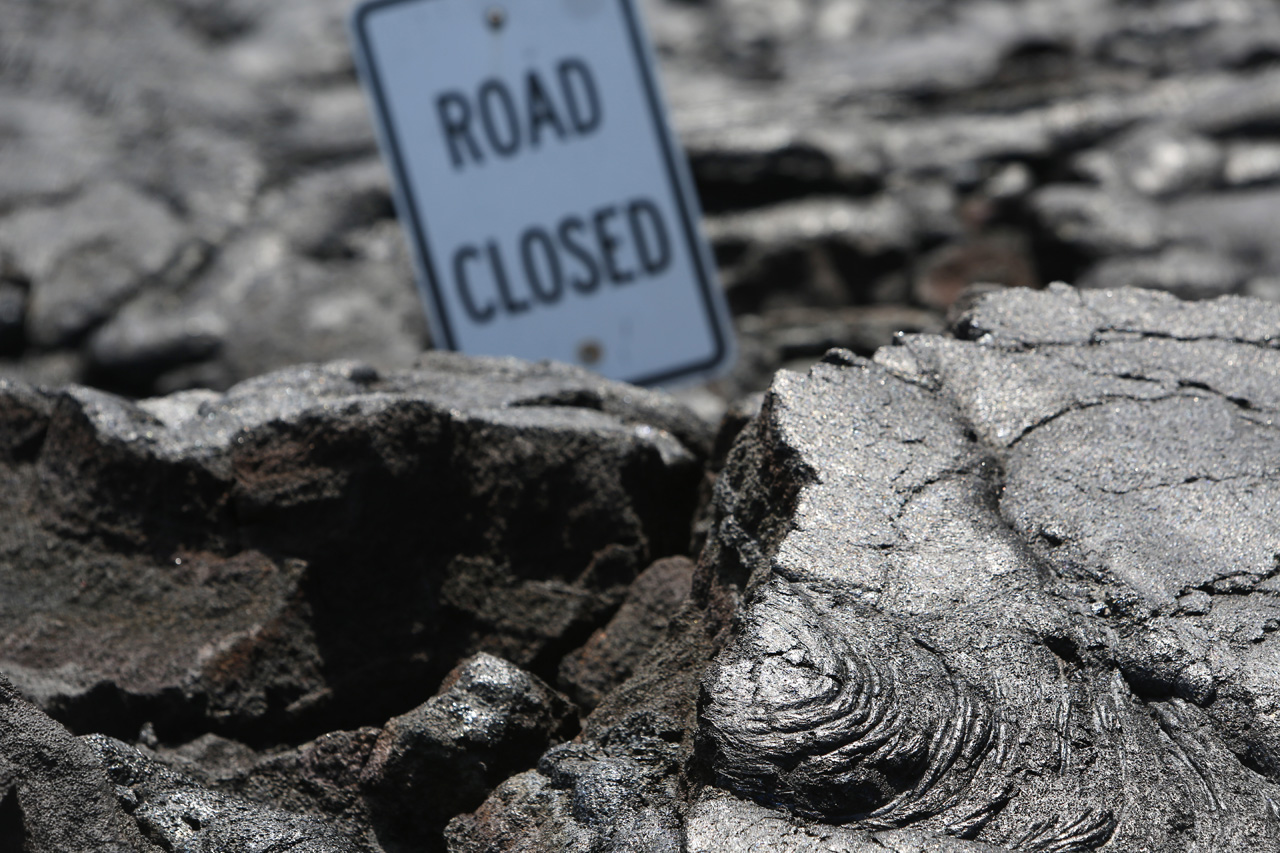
720,821
54,794
320,778
315,549
393,788
1157,162
620,785
973,585
489,721
85,258
1185,272
1012,589
797,337
847,154
617,796
994,259
820,246
613,651
13,310
178,814
189,125
1098,223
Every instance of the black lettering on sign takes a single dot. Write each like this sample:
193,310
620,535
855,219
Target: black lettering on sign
569,227
476,313
609,244
541,110
455,116
618,243
498,113
509,302
501,119
544,278
653,247
578,88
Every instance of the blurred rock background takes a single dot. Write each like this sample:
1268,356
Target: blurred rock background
190,192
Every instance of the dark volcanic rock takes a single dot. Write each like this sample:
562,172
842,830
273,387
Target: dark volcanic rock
316,548
619,786
393,788
1014,590
320,778
613,651
178,814
617,795
489,721
54,795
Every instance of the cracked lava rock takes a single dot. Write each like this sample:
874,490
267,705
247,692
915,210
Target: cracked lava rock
1015,588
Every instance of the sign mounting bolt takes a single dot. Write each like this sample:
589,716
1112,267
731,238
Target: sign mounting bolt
495,16
590,352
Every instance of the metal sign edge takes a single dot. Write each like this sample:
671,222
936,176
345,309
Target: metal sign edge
402,195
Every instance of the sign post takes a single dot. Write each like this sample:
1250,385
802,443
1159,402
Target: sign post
550,211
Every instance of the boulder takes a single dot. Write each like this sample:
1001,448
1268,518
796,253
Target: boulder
316,548
489,721
176,813
1010,589
55,796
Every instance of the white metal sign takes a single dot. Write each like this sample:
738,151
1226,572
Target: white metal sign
550,210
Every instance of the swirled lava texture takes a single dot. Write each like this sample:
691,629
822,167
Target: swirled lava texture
1024,591
1010,589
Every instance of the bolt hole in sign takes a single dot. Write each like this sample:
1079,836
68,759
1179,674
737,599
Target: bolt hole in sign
550,210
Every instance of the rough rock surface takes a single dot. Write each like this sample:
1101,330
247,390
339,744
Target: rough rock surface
1016,588
614,651
1009,590
390,788
54,794
316,548
1013,589
177,813
490,721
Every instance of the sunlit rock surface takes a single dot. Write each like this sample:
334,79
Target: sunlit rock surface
1014,589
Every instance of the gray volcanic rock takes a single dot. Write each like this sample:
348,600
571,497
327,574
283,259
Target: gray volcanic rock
614,651
393,788
973,618
621,794
621,785
320,778
320,270
316,548
86,258
178,814
196,161
1009,590
1186,273
489,721
827,245
54,794
720,821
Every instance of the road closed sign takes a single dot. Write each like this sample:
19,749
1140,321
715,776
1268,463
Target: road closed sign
550,211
